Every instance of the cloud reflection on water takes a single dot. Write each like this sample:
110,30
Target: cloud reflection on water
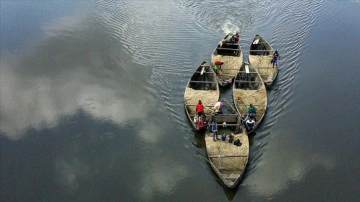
281,166
78,66
61,74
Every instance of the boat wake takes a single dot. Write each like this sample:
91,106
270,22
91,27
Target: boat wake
229,27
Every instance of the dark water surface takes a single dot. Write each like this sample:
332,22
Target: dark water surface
91,100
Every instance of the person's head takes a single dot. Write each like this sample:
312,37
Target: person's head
276,52
251,105
199,101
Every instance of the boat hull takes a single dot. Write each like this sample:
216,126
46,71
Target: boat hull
249,89
232,57
260,57
201,86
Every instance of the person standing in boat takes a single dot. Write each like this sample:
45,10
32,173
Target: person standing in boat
251,111
214,129
200,123
275,59
200,109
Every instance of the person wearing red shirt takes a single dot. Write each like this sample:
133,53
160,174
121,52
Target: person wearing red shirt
200,108
236,37
200,123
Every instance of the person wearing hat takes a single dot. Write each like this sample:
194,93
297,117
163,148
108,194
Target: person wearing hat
217,66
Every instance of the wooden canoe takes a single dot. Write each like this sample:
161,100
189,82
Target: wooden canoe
201,86
227,160
248,88
231,55
260,56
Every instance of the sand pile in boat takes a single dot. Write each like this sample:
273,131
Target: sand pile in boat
231,64
207,97
225,148
243,98
263,65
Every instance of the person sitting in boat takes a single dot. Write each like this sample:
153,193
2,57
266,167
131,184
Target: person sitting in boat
223,136
218,106
235,38
275,59
200,109
251,111
214,130
249,124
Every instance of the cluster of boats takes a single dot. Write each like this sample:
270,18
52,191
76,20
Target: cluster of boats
249,81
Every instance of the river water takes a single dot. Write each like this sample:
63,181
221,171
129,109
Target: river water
91,100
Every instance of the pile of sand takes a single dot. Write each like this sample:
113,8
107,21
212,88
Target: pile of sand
243,98
260,60
263,65
207,97
225,148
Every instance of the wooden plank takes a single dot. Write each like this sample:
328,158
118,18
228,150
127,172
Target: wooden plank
220,124
205,72
246,81
203,82
226,156
268,67
230,68
254,50
264,42
231,178
224,115
232,49
196,104
202,71
248,105
247,69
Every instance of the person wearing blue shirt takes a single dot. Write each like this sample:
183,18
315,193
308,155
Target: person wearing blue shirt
275,59
214,129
